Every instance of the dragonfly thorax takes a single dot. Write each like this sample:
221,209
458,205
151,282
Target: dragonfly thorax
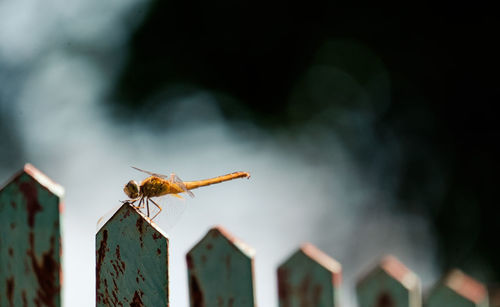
132,189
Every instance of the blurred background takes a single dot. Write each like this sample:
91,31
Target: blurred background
367,130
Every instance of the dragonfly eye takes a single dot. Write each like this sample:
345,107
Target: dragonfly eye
132,189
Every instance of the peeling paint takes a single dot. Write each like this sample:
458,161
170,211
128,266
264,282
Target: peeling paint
220,273
284,287
139,224
307,278
196,292
32,205
384,300
137,301
389,284
46,272
10,291
101,253
131,261
189,261
31,252
23,297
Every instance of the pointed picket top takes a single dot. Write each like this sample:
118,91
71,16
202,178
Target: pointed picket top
30,240
390,284
43,180
131,261
309,278
459,290
220,269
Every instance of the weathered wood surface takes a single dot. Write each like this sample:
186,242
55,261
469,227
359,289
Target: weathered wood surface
220,270
30,240
131,261
458,290
390,284
309,278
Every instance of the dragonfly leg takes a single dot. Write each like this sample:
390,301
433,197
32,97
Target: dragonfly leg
140,205
147,205
130,201
156,206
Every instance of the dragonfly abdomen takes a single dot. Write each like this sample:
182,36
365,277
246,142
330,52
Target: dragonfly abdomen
201,183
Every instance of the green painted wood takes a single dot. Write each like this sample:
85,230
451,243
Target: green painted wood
389,284
458,290
220,270
30,240
309,278
131,261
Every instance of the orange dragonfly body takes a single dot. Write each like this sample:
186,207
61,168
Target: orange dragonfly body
159,185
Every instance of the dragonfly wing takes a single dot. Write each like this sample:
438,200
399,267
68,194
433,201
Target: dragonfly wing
173,210
150,173
178,181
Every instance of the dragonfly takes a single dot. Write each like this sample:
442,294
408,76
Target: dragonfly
157,185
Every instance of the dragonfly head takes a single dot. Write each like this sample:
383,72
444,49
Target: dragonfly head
132,189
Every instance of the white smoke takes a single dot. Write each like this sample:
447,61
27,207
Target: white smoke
305,185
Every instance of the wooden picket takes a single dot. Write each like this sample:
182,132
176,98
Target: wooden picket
458,290
30,240
309,278
389,284
132,263
220,269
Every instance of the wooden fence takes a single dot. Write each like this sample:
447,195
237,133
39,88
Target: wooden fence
132,263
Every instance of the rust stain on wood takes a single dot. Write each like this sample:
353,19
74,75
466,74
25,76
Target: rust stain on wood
29,213
196,292
32,205
101,253
10,291
308,277
137,301
131,261
220,270
384,300
46,272
389,284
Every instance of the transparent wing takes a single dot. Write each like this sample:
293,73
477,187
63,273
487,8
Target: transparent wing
178,181
173,210
150,173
